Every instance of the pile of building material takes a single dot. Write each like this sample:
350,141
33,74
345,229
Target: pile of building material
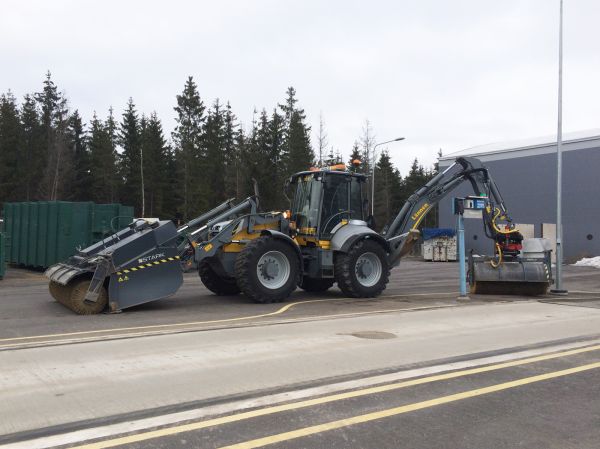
439,244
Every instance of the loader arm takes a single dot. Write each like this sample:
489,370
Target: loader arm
402,232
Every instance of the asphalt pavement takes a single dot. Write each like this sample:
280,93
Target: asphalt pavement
413,368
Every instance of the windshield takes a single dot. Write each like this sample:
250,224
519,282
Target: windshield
305,211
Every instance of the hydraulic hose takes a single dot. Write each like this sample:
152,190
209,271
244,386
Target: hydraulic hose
495,226
493,263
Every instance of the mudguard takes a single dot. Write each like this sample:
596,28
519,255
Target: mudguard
355,230
281,236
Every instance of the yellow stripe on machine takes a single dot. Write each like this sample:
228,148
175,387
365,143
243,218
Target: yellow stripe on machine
142,266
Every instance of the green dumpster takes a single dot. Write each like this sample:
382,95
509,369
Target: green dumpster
2,256
45,232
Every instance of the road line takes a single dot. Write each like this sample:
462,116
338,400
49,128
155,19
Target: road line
306,431
144,436
195,323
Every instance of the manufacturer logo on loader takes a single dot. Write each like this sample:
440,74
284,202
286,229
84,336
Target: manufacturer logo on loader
152,257
418,213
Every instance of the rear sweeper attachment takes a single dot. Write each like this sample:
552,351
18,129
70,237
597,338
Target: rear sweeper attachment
324,239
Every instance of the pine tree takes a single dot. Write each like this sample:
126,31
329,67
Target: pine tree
156,161
48,100
356,155
80,178
272,187
416,178
388,190
215,157
252,154
187,139
298,154
129,140
56,161
32,153
11,167
231,148
333,157
112,157
104,178
262,170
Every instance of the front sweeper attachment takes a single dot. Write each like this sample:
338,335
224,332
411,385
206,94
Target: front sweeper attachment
136,265
141,263
528,273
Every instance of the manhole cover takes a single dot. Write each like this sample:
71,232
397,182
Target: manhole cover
373,335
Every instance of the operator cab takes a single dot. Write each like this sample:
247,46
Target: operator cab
324,199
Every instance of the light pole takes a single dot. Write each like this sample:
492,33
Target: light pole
559,246
397,139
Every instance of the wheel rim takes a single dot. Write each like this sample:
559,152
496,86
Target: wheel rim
273,270
368,269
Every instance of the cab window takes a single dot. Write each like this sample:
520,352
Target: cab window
307,204
335,201
356,199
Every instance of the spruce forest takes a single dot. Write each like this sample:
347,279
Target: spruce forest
48,153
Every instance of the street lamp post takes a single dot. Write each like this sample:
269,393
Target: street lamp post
397,139
559,290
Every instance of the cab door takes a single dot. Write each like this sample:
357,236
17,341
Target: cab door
336,203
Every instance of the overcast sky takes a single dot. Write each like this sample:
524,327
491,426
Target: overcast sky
443,74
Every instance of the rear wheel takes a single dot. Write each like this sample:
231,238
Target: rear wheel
217,284
362,272
316,285
79,305
267,270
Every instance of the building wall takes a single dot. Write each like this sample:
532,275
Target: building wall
528,185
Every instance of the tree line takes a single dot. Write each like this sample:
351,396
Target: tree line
48,153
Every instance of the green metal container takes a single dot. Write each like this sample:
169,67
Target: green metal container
45,232
2,256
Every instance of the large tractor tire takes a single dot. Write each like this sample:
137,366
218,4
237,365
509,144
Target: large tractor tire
316,285
267,270
362,272
217,284
79,305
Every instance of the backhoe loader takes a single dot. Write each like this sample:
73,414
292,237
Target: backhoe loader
324,238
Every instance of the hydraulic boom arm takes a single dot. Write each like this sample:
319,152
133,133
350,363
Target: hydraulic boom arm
403,229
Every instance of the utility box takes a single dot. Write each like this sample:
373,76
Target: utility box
439,244
43,233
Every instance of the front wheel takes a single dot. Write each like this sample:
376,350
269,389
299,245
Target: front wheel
362,272
267,270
